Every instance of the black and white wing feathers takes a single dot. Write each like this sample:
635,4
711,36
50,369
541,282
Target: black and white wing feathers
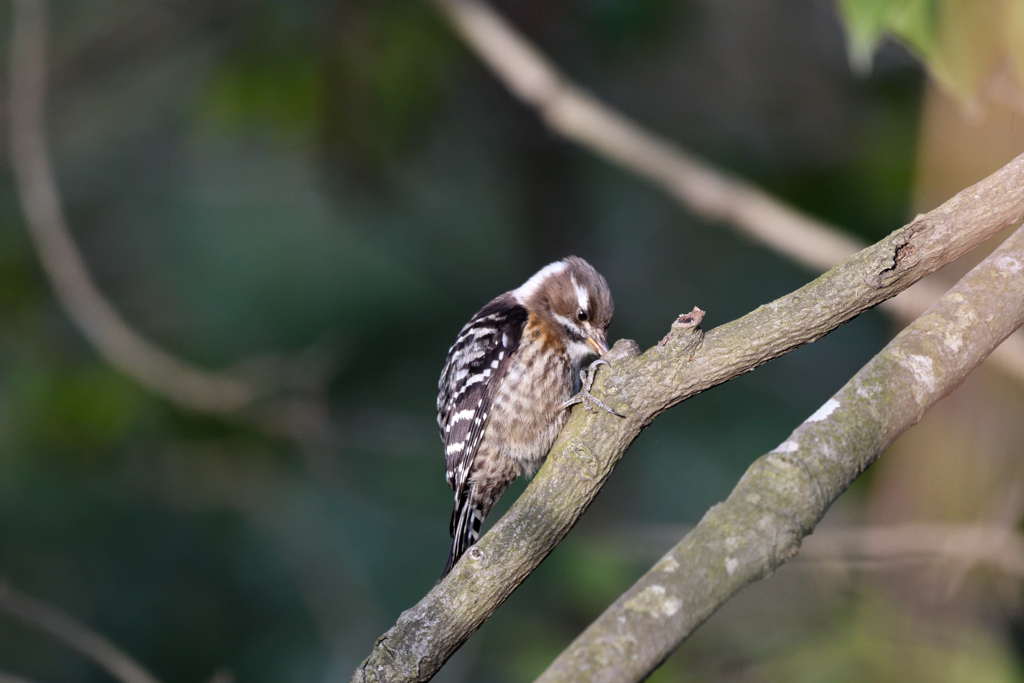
477,361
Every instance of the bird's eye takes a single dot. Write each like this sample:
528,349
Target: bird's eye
582,316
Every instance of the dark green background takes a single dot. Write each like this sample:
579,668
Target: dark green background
249,176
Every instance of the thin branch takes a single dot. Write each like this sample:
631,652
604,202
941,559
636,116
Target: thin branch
968,545
996,545
182,383
222,675
80,637
1007,511
685,363
577,115
785,493
1004,88
276,394
12,678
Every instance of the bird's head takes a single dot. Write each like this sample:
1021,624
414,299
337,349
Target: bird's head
572,298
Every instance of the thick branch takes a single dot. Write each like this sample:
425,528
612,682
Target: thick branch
785,493
577,115
685,363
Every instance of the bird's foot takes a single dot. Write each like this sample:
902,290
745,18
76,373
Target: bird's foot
589,401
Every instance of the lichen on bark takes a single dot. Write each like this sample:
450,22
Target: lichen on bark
641,386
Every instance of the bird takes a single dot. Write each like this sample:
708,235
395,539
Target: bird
508,381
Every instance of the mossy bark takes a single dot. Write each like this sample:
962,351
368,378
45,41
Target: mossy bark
641,386
784,494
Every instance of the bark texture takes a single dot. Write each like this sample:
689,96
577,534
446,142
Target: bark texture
785,493
686,362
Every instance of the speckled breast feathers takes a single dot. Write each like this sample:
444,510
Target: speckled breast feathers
500,397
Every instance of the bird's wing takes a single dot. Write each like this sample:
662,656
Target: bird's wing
477,362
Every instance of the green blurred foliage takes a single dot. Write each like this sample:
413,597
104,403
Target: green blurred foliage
868,21
74,412
247,176
621,26
388,66
961,41
874,642
273,90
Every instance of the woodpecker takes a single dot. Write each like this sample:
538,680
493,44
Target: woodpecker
508,379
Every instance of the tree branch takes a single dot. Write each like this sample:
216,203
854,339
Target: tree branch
640,387
999,546
961,545
59,625
114,339
785,493
11,678
577,115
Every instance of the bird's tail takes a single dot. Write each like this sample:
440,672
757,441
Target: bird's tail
465,526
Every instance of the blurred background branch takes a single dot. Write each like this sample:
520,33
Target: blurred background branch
948,547
241,175
957,546
577,115
182,383
83,639
11,678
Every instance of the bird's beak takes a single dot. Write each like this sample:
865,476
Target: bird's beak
598,343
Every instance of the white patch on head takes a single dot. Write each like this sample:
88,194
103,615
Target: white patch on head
731,564
563,320
530,287
824,411
581,293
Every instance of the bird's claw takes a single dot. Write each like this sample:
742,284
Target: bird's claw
589,401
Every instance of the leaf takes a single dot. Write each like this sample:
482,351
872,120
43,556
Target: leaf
961,42
867,21
969,45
